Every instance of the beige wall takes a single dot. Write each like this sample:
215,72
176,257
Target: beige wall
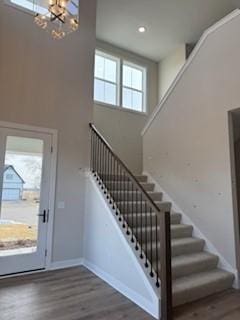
186,148
123,128
169,67
49,83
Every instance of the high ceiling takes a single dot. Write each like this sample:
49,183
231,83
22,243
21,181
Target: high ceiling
169,23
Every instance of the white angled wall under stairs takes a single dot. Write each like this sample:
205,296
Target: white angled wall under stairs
110,254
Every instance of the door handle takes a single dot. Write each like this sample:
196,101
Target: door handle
44,216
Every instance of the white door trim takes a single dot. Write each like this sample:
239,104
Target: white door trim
53,173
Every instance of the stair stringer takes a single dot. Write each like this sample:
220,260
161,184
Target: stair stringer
109,253
209,247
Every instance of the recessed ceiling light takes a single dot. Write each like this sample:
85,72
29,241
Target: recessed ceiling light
142,29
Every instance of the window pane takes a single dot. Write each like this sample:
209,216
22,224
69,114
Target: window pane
110,93
127,76
110,70
127,98
137,79
99,90
99,67
137,101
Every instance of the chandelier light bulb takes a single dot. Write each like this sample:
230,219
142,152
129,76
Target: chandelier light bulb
60,19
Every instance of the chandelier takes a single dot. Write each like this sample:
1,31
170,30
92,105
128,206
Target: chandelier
59,17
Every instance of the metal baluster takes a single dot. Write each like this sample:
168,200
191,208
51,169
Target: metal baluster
110,177
151,236
146,237
104,167
132,211
98,159
108,169
94,151
141,224
136,219
114,183
119,188
91,152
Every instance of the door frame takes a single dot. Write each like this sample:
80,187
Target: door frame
52,179
235,196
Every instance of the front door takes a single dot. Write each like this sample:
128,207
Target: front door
25,162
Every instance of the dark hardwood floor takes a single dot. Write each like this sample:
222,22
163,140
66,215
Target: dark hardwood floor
77,294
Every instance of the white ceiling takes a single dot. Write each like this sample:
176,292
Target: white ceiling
169,23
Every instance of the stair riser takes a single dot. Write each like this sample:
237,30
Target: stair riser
187,270
176,218
124,196
146,220
178,250
194,268
126,207
116,186
182,233
122,178
194,294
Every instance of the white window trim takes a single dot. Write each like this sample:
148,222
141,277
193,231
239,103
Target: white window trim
120,63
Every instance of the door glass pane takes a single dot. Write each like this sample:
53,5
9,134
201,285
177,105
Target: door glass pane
20,195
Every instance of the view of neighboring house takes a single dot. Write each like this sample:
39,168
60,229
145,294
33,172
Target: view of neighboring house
120,159
12,184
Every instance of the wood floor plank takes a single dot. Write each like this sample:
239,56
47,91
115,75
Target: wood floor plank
77,294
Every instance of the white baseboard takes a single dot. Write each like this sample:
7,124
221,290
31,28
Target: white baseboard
123,289
209,247
66,264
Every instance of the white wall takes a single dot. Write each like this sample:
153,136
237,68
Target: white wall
49,83
109,254
186,147
168,69
123,128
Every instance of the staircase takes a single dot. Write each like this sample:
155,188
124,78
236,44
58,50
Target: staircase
183,271
195,272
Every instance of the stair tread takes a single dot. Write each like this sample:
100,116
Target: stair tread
179,226
201,279
180,242
186,259
185,241
130,191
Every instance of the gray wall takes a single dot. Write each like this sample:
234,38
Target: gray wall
186,148
123,128
49,83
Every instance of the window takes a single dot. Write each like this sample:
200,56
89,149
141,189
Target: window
9,176
133,87
129,93
106,79
28,5
40,6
